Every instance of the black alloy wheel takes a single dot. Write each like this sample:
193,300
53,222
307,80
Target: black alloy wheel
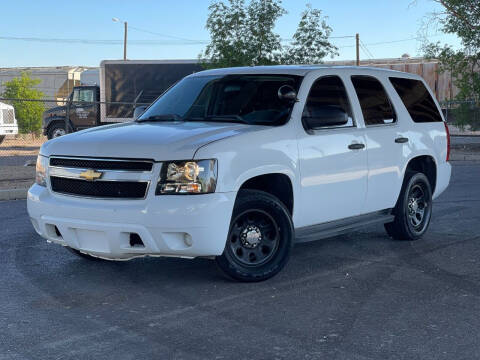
253,238
413,210
260,237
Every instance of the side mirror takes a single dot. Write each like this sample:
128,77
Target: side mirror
287,93
322,116
139,110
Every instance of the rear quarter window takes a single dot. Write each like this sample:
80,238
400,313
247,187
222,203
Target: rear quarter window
416,98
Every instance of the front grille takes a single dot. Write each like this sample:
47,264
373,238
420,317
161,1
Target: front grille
8,116
104,164
100,189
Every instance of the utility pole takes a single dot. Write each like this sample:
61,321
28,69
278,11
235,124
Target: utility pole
357,46
125,25
125,41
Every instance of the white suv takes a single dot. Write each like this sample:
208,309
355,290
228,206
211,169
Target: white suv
239,164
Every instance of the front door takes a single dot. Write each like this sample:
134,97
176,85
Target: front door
83,108
332,159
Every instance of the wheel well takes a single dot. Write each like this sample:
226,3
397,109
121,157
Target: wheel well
425,164
278,185
54,122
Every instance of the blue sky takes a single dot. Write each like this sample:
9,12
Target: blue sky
375,20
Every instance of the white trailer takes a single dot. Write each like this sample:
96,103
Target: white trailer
8,123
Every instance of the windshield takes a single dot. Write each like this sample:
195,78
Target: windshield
251,99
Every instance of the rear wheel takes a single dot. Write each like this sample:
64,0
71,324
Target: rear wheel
413,210
260,238
2,137
56,130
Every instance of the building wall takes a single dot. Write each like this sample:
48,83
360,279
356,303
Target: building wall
56,82
441,83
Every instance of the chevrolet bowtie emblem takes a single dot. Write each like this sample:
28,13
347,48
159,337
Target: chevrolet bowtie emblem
91,175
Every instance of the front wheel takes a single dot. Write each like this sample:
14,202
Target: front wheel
56,130
260,238
413,210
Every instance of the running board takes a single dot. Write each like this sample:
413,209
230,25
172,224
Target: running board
338,227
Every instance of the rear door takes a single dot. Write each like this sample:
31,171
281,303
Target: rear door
386,142
332,160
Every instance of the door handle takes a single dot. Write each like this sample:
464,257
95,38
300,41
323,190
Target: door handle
401,140
356,146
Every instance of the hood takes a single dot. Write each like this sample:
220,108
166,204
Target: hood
159,141
55,111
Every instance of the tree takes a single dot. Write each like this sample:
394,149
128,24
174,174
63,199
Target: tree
243,34
310,42
28,113
461,17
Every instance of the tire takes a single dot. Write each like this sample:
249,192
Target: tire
2,137
260,238
413,210
56,130
82,255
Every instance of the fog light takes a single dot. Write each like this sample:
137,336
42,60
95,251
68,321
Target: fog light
135,240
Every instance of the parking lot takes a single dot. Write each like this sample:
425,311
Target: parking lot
359,296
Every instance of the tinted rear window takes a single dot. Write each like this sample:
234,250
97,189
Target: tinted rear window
417,99
376,106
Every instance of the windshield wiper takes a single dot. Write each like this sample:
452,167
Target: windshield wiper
163,117
227,118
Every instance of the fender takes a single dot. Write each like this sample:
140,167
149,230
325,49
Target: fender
415,155
408,162
53,119
265,170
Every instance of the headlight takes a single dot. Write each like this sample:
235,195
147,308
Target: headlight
187,177
41,170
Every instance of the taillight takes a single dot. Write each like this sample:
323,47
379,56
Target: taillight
448,141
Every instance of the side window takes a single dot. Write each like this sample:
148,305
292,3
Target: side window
416,98
328,94
376,106
83,95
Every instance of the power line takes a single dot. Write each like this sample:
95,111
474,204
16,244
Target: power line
393,41
99,42
196,41
342,37
164,35
178,40
366,50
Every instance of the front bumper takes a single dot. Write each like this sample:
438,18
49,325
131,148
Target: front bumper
8,130
168,225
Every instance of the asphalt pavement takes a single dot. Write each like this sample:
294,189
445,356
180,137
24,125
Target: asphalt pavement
358,296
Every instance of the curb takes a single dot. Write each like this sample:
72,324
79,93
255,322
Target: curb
464,157
13,194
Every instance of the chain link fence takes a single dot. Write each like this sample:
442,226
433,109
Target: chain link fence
22,135
462,116
22,131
